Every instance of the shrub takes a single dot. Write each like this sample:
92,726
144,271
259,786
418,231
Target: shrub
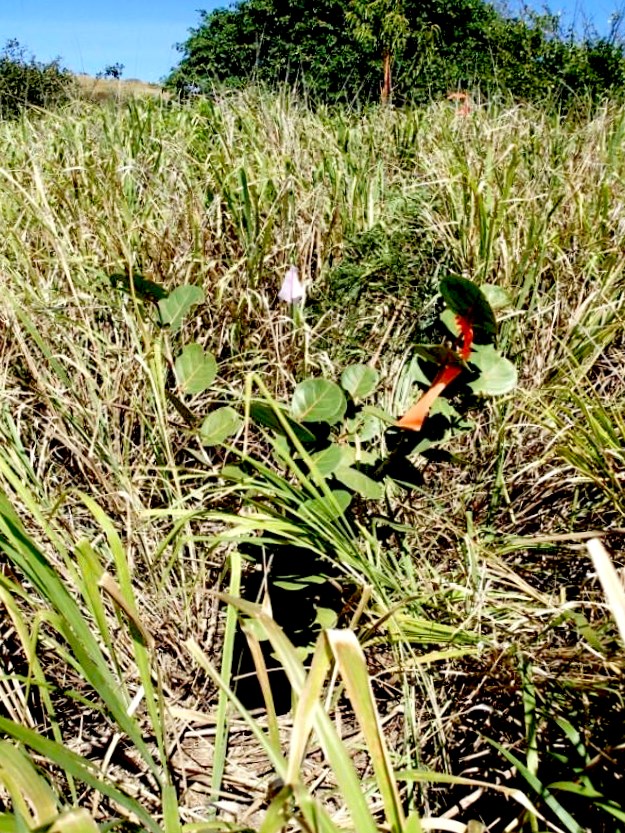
25,82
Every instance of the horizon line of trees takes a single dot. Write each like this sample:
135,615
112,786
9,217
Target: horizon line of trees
363,51
410,50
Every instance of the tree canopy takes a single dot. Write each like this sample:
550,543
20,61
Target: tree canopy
343,49
276,40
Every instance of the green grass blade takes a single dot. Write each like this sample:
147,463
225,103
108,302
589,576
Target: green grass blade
353,668
32,798
70,623
79,767
342,766
563,816
221,718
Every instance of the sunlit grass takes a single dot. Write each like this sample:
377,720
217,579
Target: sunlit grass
471,595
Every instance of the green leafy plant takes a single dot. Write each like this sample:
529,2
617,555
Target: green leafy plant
345,427
195,369
443,580
574,801
329,461
82,647
26,83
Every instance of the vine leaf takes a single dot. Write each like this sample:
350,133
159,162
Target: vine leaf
265,415
195,369
219,425
177,304
465,298
318,400
360,483
328,459
359,380
497,374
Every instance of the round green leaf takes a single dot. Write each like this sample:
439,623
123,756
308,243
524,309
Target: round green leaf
497,374
318,400
372,428
497,297
359,482
326,618
177,304
464,298
359,380
195,369
348,455
219,425
328,459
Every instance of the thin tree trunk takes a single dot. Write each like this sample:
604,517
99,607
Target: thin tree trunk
386,86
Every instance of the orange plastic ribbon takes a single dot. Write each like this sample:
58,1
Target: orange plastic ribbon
415,417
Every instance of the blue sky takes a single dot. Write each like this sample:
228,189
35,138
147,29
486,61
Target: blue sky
89,34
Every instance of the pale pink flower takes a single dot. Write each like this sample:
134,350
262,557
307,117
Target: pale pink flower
292,289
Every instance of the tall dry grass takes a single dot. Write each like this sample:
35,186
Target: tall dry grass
482,598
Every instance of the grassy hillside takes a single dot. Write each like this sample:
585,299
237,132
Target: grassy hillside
107,89
151,457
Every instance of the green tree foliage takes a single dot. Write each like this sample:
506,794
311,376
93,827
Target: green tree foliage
469,44
25,82
293,41
343,48
382,25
